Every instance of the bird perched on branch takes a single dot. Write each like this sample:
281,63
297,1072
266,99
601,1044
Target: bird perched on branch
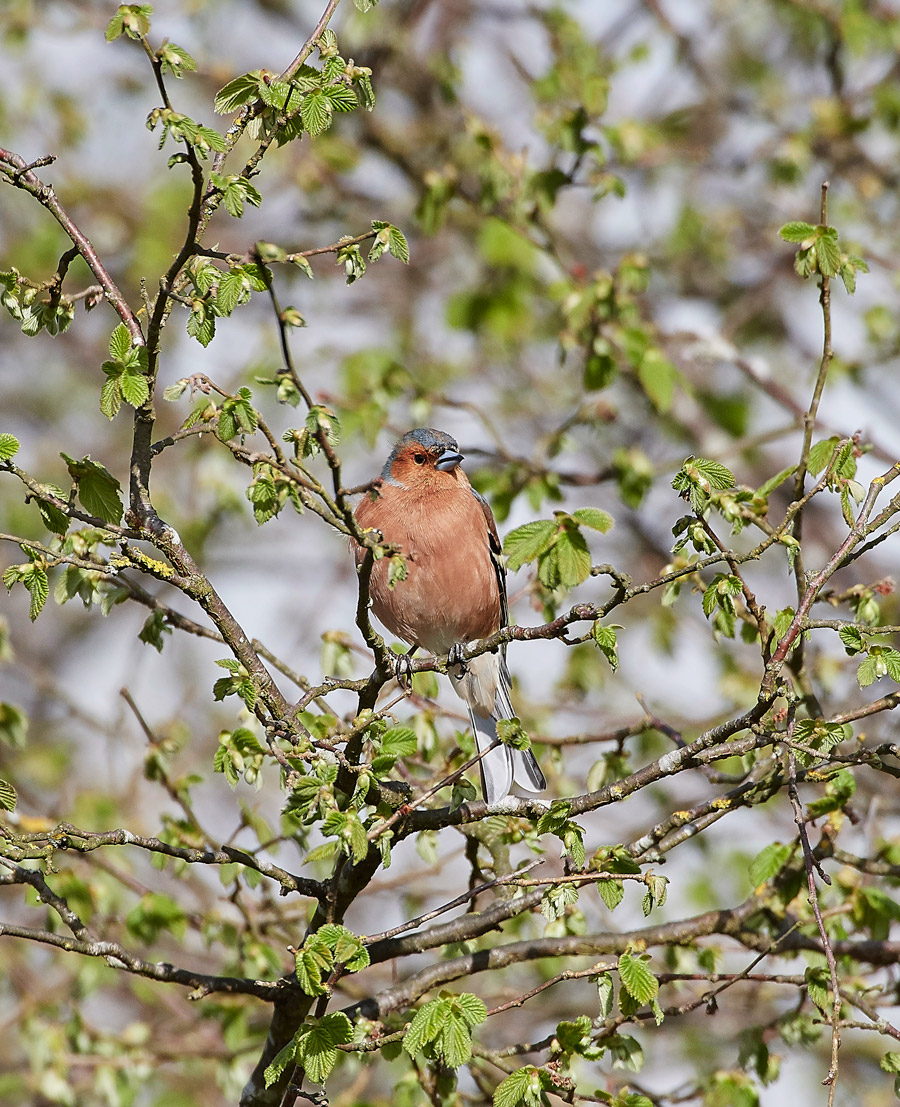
454,591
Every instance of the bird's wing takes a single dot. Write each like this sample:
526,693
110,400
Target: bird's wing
496,548
497,769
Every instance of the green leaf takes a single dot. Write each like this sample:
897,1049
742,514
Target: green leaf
153,914
829,251
612,892
512,733
315,111
231,285
891,658
201,322
135,388
782,622
797,232
316,1044
241,90
98,489
852,639
367,93
335,944
594,518
556,899
426,1025
768,862
111,397
657,377
302,263
397,245
281,1060
850,266
605,637
153,631
119,343
130,19
8,797
573,841
572,559
237,416
340,96
637,978
523,1088
13,725
698,477
175,60
529,541
9,446
310,965
820,454
766,490
605,994
399,741
320,419
455,1042
714,473
54,519
350,256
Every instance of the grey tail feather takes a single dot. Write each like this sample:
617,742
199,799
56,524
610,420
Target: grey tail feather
500,765
496,766
527,772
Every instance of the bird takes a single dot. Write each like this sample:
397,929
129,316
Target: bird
454,590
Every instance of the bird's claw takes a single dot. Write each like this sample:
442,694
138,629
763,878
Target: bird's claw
403,669
455,657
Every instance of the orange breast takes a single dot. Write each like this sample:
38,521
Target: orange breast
450,593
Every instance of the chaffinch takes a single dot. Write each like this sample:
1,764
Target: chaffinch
455,586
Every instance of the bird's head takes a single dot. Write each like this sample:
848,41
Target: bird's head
421,454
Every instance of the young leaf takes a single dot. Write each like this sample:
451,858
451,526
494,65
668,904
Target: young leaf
605,637
111,397
820,454
175,60
523,1088
316,1044
135,388
397,245
797,232
315,111
98,489
637,978
281,1060
119,343
768,863
9,446
242,90
529,541
657,377
594,518
8,797
612,892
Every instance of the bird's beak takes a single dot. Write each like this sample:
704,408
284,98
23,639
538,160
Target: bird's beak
448,460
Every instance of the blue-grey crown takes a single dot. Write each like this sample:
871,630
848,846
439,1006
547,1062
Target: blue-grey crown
434,441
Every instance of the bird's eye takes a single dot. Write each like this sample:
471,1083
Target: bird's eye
419,459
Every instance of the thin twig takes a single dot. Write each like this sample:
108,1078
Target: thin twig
812,867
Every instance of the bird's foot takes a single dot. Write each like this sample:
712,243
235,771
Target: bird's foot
403,669
455,657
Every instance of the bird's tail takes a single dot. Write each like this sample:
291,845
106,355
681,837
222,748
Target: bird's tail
503,764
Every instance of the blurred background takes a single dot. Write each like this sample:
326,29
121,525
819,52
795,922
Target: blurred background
592,194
